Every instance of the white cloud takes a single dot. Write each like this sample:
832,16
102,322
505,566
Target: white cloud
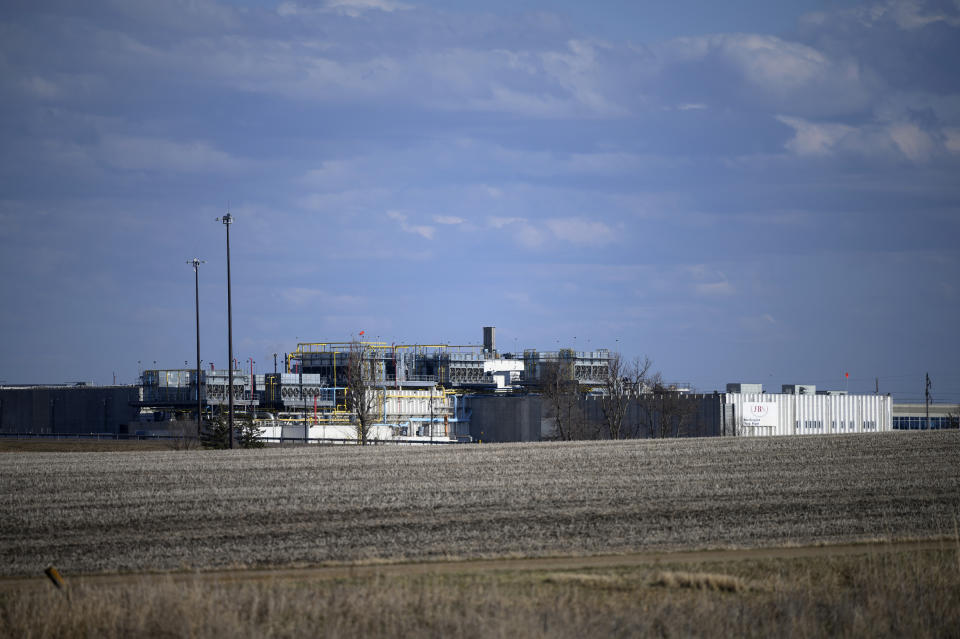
714,288
758,323
302,296
760,72
352,8
810,138
891,140
710,282
519,230
332,173
500,222
448,219
581,231
153,154
41,88
423,231
912,141
952,139
910,15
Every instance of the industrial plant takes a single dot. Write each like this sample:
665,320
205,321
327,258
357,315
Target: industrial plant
442,393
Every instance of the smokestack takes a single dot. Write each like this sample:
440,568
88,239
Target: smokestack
489,338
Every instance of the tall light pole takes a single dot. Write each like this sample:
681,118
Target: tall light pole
252,387
196,293
227,221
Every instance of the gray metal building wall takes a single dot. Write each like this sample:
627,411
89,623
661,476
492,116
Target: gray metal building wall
504,418
705,419
511,418
67,410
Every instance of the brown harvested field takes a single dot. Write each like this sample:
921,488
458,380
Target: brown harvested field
171,510
38,445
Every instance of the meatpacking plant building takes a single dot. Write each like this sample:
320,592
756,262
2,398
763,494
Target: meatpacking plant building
440,391
802,410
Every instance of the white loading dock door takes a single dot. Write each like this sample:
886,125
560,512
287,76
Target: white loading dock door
762,414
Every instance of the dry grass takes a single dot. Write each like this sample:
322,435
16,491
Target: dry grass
700,581
913,594
172,510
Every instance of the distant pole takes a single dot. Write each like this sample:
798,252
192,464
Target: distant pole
274,363
253,387
196,294
303,398
227,221
927,397
876,385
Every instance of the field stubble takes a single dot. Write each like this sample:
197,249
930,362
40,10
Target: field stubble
173,510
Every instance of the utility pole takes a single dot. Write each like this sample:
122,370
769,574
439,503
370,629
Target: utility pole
927,397
227,221
274,363
196,293
303,398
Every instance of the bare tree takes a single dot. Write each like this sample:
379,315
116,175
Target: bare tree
622,384
561,396
361,393
672,412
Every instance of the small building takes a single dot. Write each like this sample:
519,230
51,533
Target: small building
918,417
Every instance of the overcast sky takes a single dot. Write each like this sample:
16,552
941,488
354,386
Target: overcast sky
747,191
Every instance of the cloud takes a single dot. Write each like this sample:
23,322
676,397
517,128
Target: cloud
892,140
581,231
952,139
714,288
710,282
351,8
423,231
500,222
41,88
519,229
302,296
758,72
810,138
909,15
154,154
757,323
913,142
448,219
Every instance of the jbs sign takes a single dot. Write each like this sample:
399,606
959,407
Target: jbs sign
759,414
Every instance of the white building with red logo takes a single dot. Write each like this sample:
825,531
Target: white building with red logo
802,410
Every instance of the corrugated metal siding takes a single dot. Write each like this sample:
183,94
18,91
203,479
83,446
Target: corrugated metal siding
815,414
